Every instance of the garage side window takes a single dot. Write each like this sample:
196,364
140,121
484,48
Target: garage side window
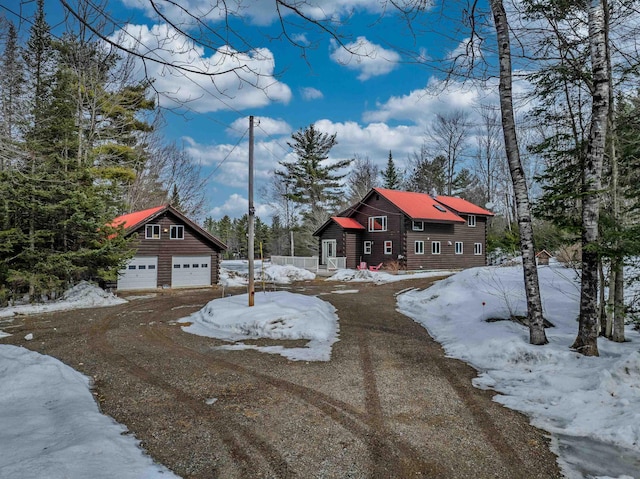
177,232
367,247
152,232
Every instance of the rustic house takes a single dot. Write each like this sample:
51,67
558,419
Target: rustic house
171,251
410,230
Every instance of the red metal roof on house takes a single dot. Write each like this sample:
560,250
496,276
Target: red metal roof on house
347,223
132,219
419,206
462,206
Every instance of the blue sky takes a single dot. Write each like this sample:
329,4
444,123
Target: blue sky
377,102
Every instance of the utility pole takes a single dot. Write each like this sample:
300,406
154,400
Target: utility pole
252,211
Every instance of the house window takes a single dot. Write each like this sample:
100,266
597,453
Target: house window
419,247
377,223
435,247
477,248
152,232
388,247
417,226
471,220
367,247
459,247
177,232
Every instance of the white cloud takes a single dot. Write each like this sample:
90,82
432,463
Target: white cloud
366,57
228,164
373,140
310,93
236,205
257,12
263,127
421,106
225,80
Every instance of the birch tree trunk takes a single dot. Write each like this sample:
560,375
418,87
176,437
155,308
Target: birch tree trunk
532,288
586,341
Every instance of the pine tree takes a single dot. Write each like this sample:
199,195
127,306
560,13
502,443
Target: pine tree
312,182
391,177
11,89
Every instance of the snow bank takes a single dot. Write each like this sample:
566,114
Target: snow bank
562,391
51,426
235,273
275,315
379,277
83,295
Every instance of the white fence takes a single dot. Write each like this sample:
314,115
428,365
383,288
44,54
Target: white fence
336,263
312,263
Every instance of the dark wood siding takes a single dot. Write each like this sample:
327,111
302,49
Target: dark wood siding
165,248
447,235
380,206
353,248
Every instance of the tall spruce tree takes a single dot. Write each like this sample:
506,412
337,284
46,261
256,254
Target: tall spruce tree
391,176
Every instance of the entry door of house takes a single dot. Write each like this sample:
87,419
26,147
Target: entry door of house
328,250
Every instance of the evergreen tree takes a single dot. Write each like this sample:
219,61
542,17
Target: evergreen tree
313,183
391,177
426,175
11,89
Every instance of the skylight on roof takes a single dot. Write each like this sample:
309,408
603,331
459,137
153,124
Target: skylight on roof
440,208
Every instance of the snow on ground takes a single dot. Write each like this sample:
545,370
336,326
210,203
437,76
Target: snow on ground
234,273
379,277
590,405
275,315
51,425
83,295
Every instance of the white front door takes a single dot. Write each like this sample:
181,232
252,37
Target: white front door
190,271
329,249
140,273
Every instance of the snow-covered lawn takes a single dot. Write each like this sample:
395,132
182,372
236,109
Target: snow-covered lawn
591,405
379,277
275,315
234,273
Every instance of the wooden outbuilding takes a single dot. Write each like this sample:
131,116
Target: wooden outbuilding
171,251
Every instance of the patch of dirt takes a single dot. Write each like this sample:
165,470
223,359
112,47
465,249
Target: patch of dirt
388,404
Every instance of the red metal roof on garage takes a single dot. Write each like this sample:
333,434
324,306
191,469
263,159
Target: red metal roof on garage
419,206
132,219
347,223
462,206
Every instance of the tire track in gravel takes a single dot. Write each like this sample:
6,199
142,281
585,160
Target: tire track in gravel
224,426
373,308
400,458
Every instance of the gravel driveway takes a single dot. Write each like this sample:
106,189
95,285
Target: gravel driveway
388,404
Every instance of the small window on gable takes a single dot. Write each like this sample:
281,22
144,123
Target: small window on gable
417,226
419,247
477,248
367,247
177,232
388,247
471,220
377,223
435,247
459,247
152,232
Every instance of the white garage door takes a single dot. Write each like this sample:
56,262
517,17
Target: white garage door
190,271
141,273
